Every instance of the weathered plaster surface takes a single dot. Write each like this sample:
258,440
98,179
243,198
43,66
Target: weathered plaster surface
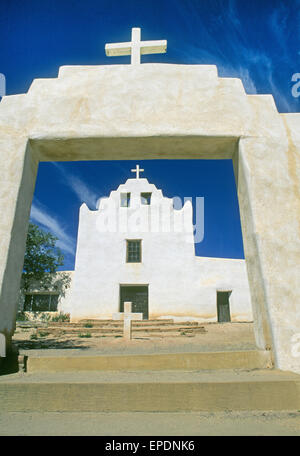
164,111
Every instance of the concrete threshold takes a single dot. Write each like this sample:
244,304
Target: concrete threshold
247,359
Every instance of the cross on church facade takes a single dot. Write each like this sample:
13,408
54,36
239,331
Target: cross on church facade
136,47
137,170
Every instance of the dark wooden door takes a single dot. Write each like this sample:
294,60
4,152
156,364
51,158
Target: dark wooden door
223,306
138,295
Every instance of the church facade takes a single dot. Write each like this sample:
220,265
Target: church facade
136,247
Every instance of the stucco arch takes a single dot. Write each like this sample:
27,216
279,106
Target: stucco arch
155,111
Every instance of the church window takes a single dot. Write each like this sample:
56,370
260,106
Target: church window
146,198
45,302
134,251
125,199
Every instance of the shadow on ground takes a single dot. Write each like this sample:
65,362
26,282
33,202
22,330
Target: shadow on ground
49,343
10,364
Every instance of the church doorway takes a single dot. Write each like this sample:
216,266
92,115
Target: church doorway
138,295
223,307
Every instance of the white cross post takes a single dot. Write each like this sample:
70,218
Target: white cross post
137,170
136,47
128,317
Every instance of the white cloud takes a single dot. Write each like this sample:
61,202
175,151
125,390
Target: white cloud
241,73
79,187
41,216
279,26
83,193
247,81
232,13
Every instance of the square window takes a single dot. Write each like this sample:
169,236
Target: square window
41,302
28,303
53,303
134,251
125,199
146,198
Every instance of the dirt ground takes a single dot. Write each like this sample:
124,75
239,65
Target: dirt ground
219,337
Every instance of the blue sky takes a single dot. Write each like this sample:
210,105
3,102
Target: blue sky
257,41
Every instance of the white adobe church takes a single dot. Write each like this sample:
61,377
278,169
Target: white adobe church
137,247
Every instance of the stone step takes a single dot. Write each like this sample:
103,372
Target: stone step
150,391
101,323
117,323
140,335
248,359
141,322
119,328
145,335
149,329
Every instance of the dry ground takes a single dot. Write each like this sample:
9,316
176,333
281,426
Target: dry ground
225,336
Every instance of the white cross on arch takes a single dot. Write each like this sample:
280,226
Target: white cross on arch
136,47
137,170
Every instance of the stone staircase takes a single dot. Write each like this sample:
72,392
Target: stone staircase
150,391
114,328
88,381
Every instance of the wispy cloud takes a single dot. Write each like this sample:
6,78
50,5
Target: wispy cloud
40,215
232,13
84,193
262,56
278,23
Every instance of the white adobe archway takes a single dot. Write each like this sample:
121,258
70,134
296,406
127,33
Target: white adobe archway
155,111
